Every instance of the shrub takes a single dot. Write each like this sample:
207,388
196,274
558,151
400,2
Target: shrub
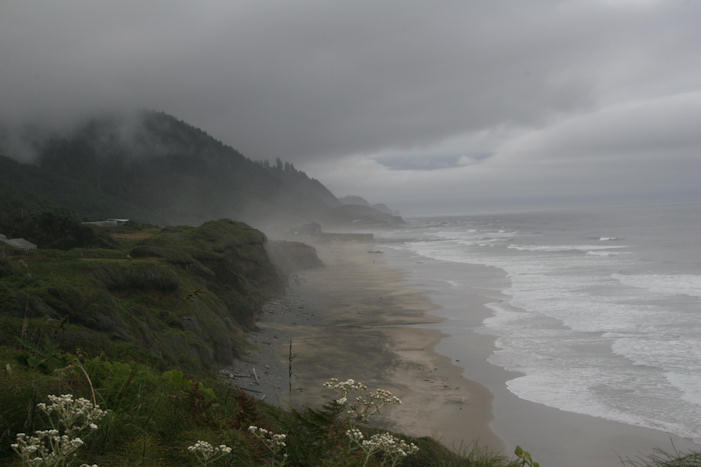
138,277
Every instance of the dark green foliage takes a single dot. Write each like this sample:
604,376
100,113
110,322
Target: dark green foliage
54,230
43,356
5,268
28,189
164,411
228,256
179,296
140,277
315,437
95,253
524,458
663,458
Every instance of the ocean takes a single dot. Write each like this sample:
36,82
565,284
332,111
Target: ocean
591,311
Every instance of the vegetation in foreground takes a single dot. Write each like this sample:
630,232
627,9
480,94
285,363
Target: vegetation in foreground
663,458
152,417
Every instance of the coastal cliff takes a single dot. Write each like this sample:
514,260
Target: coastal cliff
173,296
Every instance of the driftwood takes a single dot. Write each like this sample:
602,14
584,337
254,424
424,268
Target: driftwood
255,375
238,375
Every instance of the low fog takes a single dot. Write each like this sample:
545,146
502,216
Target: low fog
444,107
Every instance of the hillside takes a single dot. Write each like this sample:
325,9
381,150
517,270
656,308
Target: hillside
153,167
28,188
177,296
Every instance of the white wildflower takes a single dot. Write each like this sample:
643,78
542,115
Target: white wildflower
224,448
206,453
68,417
73,415
358,404
392,448
275,442
354,434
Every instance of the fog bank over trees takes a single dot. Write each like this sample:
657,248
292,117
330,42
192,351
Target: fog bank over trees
425,106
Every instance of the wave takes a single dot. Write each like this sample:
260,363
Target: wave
571,370
602,253
663,284
583,342
689,384
679,357
564,248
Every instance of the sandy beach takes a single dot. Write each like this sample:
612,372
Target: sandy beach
362,317
357,318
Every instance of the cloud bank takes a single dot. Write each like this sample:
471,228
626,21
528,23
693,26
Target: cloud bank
431,106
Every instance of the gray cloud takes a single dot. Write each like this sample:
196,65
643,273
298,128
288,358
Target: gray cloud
413,85
432,162
643,150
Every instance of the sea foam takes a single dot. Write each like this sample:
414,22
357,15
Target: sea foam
664,284
564,248
586,337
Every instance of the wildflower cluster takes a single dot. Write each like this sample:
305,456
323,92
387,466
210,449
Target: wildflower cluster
358,405
206,453
45,447
383,397
68,418
392,448
346,387
73,415
275,442
355,435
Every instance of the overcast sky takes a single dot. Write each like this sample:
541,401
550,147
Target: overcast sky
432,107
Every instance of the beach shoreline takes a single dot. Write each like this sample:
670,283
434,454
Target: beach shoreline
357,318
367,316
554,437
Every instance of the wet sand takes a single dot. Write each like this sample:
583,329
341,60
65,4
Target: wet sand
357,318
